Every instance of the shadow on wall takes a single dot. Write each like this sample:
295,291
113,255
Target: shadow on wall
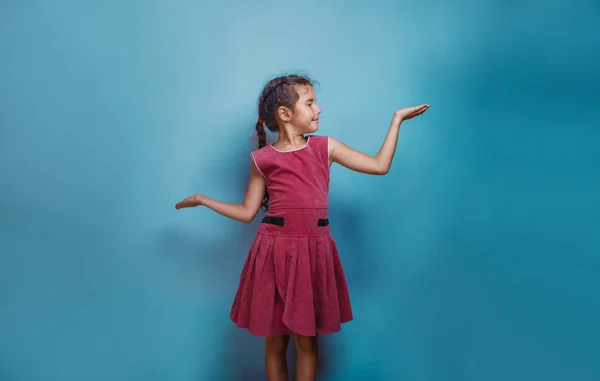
348,230
208,268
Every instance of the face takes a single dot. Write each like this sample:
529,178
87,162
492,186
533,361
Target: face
305,116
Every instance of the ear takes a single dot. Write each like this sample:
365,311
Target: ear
284,114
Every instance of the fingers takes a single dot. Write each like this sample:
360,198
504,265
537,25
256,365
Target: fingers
418,108
416,111
187,203
421,109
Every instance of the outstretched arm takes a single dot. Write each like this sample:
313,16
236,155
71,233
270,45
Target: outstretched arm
244,212
379,164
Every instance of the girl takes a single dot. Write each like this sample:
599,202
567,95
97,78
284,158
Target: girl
292,283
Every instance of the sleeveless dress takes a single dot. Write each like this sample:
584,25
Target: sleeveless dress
292,281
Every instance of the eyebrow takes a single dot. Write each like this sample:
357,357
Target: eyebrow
310,100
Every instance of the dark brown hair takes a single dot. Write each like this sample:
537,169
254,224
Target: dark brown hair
280,91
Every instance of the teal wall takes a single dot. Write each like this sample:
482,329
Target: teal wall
475,259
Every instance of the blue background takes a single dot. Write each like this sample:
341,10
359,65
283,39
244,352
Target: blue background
476,258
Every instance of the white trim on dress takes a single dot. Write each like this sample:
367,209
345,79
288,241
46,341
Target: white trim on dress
256,164
295,149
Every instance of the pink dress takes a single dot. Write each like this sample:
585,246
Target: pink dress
293,281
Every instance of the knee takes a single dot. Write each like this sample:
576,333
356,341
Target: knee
306,343
277,344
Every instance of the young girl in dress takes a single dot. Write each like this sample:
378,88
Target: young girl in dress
292,283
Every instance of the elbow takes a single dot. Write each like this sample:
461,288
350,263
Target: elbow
381,167
382,171
249,216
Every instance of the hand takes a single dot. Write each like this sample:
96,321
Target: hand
190,202
410,112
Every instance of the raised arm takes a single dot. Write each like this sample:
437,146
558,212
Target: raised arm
379,164
244,212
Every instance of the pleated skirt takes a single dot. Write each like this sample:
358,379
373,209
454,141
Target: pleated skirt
292,281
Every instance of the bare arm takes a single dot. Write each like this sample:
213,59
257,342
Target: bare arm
244,212
379,164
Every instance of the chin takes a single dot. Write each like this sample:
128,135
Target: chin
312,129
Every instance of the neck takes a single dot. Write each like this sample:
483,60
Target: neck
290,139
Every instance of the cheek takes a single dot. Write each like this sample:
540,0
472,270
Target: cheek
307,114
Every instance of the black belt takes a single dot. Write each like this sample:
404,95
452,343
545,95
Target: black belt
279,221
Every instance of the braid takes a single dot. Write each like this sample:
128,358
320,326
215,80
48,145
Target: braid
261,134
262,141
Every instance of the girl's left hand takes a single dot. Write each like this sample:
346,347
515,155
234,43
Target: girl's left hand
190,202
411,112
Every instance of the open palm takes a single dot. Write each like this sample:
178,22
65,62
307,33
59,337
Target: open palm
411,112
190,202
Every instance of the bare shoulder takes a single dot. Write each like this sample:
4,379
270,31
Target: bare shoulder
335,144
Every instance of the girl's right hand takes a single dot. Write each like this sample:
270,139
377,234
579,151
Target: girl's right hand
190,202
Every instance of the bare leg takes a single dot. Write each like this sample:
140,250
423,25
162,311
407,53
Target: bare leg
306,363
275,357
